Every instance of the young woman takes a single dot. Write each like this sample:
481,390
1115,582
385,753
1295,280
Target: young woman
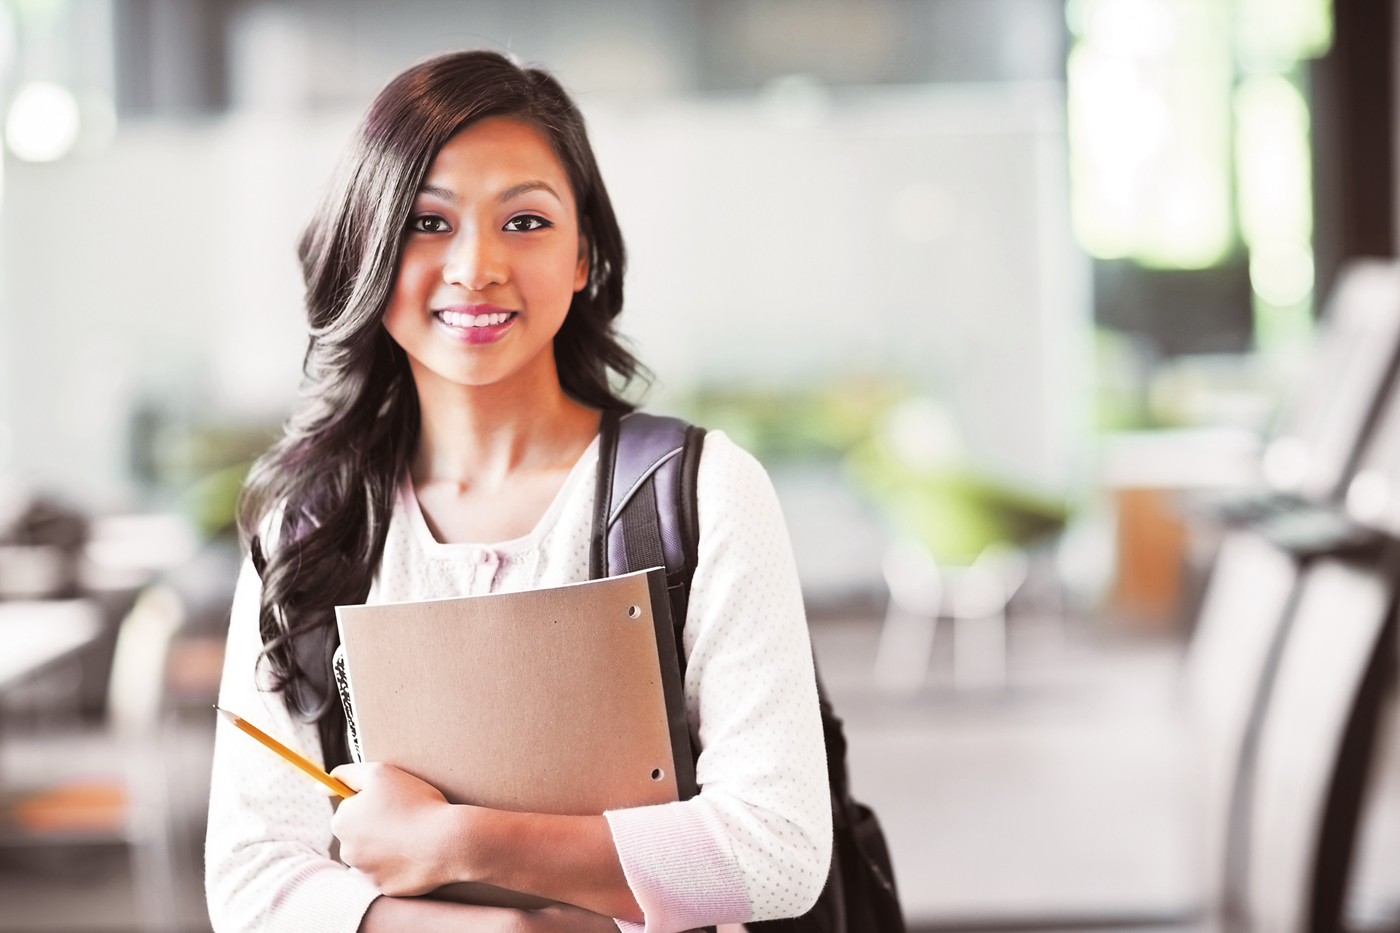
462,279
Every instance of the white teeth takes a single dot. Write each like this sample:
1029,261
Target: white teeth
458,319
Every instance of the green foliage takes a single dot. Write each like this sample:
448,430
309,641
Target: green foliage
953,511
948,505
211,503
796,424
207,463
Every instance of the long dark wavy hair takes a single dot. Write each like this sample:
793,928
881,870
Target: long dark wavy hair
316,507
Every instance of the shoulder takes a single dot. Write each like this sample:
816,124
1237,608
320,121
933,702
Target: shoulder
645,441
721,458
732,486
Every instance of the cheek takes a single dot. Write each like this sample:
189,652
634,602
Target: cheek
414,278
556,274
401,317
413,286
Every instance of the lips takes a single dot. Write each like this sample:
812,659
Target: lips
476,323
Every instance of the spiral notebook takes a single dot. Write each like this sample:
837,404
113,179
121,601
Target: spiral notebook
561,700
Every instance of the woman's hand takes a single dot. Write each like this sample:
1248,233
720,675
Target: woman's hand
397,830
407,839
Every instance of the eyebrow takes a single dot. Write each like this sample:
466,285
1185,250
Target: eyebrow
514,191
523,187
436,191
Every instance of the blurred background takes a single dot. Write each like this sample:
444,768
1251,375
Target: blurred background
1067,331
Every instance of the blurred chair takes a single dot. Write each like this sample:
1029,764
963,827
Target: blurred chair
124,800
1373,490
1289,635
1314,458
975,598
1325,424
911,621
980,596
1246,605
1313,751
1285,678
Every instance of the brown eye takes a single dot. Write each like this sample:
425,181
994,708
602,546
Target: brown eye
427,223
527,222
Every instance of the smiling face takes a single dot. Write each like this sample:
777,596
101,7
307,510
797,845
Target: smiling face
491,260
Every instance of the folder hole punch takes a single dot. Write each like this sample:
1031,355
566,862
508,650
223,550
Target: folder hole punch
657,774
633,612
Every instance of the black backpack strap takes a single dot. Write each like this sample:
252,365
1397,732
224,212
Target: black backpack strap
602,498
645,516
645,509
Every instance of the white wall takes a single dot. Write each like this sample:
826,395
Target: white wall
917,232
779,240
162,269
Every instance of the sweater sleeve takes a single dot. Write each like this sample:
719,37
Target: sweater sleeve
755,844
267,853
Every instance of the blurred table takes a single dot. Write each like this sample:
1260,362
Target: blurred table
1146,472
35,634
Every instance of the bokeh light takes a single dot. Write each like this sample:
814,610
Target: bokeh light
1149,125
1274,172
43,122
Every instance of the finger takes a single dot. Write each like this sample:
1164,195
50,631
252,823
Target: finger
352,774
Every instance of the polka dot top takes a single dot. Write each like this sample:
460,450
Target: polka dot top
754,844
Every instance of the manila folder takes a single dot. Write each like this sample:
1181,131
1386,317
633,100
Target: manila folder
561,700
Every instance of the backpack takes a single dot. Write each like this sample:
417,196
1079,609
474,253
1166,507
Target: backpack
644,516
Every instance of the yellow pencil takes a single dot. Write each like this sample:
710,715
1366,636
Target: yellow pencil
296,758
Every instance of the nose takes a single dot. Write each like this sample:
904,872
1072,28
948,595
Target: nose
475,262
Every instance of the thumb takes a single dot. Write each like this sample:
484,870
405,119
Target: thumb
352,774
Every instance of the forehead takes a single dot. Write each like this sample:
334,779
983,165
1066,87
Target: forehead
495,154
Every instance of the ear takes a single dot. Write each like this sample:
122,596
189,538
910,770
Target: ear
581,270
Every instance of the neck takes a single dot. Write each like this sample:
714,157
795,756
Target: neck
481,435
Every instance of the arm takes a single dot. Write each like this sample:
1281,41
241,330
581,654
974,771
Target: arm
407,839
267,853
756,843
395,915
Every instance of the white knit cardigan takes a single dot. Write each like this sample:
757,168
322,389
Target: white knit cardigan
754,844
